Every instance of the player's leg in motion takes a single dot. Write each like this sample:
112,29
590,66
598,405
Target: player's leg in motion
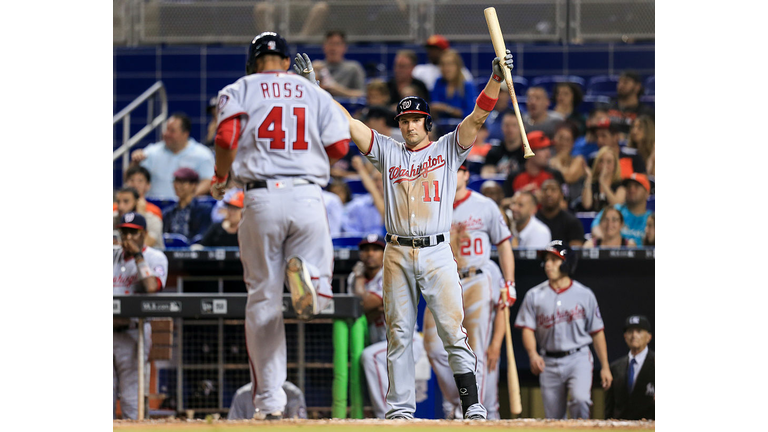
438,358
579,382
374,360
261,235
438,279
400,311
125,353
554,391
309,251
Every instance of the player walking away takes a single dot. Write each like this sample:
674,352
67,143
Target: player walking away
419,189
277,136
559,318
137,269
366,281
477,224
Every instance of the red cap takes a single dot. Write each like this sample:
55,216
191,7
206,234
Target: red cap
538,140
463,167
438,41
237,200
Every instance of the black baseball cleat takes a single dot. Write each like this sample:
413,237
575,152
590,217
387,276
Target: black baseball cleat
274,416
303,295
398,417
476,417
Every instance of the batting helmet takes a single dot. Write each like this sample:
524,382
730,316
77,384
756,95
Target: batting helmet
564,252
265,43
415,105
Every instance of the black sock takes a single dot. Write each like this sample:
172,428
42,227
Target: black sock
467,386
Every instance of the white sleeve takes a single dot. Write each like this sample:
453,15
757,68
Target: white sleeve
231,101
158,263
380,145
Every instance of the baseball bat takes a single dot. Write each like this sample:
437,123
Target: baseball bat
501,50
513,382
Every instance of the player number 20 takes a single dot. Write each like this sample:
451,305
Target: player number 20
272,128
466,246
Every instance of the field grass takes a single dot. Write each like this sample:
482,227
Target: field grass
378,425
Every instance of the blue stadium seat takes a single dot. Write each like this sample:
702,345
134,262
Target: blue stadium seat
346,241
162,204
351,104
447,125
175,240
649,100
356,186
591,101
476,182
520,83
586,219
650,85
602,85
651,204
549,82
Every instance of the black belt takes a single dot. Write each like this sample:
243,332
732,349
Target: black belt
414,242
469,273
561,354
260,184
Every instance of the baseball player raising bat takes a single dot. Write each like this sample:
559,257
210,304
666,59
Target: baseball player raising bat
276,136
419,189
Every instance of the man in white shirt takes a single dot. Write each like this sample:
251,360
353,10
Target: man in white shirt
528,231
430,72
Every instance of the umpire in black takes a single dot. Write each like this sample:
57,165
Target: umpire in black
631,396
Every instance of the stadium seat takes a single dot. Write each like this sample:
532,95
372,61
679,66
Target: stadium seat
649,100
346,241
162,204
175,240
650,85
651,204
602,85
586,219
476,182
549,82
356,186
351,104
590,102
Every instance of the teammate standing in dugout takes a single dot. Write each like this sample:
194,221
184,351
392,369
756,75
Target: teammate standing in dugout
419,190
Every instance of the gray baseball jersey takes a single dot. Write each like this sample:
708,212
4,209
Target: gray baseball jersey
377,330
484,225
290,121
419,186
419,189
561,321
125,276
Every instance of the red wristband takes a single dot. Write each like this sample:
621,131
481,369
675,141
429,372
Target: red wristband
485,103
497,78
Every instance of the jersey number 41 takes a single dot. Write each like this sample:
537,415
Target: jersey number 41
272,128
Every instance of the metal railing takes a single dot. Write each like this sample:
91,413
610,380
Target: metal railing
157,90
148,22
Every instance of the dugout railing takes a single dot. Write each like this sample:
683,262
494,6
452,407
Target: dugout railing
206,298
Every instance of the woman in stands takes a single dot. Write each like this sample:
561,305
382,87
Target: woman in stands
571,168
610,225
602,184
568,96
649,239
642,136
452,95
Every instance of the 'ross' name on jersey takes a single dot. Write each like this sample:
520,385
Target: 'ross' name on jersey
285,90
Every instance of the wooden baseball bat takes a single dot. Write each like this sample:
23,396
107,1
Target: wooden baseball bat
513,382
501,50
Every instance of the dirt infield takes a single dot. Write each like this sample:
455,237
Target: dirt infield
339,425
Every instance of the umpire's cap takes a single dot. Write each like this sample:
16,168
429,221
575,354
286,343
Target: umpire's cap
562,251
133,220
374,239
415,105
265,43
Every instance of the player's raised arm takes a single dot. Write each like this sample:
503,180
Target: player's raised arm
358,131
470,126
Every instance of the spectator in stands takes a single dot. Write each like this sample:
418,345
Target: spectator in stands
405,61
127,200
568,96
340,77
563,225
140,179
334,209
365,214
341,189
610,225
452,96
430,72
189,217
626,106
649,239
225,233
479,150
587,144
507,157
527,231
602,184
538,116
379,118
632,395
493,122
176,150
635,211
536,170
492,190
607,134
642,136
569,166
211,131
377,93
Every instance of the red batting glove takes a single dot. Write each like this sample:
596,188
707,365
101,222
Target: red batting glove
218,186
511,296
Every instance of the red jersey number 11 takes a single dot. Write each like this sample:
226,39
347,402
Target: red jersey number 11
427,198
